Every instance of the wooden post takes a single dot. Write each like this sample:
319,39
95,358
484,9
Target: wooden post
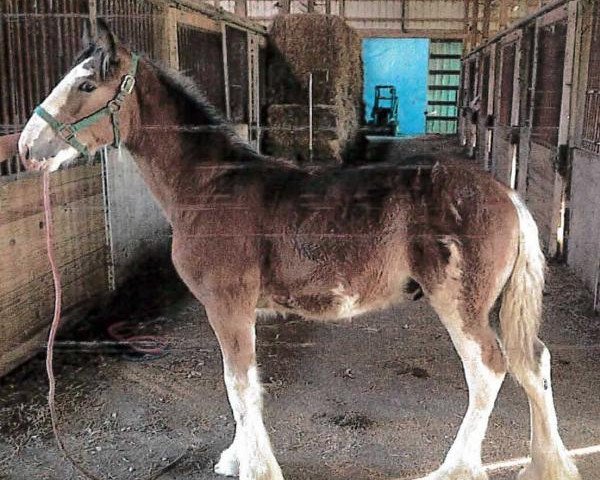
503,14
557,247
487,7
240,8
93,11
342,8
172,41
225,70
328,7
475,24
310,6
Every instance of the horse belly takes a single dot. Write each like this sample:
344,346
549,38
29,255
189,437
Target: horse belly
341,300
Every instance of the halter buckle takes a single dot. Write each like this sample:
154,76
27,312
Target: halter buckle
128,84
114,106
66,132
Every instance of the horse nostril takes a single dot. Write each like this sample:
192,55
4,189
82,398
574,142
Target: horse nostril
24,152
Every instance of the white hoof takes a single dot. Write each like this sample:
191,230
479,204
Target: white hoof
265,471
563,469
457,473
228,463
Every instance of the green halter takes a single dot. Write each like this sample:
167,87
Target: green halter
68,131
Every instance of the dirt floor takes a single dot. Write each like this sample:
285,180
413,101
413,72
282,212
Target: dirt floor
378,397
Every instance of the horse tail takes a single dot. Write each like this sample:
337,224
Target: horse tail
521,310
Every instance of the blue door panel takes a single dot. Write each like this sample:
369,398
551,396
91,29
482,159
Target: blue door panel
402,62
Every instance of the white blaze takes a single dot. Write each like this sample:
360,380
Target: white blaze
53,104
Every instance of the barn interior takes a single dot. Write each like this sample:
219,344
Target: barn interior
511,87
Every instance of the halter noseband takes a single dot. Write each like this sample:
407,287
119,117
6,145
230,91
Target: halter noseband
68,131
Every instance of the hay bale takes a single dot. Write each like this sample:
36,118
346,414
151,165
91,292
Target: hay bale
327,47
288,133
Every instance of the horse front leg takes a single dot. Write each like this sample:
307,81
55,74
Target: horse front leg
250,455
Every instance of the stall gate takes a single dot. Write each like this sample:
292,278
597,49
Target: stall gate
519,130
545,125
105,220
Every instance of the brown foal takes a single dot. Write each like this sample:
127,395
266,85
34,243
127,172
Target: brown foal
251,231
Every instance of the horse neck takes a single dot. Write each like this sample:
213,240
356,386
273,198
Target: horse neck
176,165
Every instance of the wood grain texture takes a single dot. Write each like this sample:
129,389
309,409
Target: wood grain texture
26,288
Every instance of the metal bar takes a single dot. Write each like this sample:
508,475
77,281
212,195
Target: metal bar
403,15
310,115
520,23
13,117
442,102
240,8
444,87
442,117
4,83
225,70
444,72
221,15
447,56
93,13
396,19
457,35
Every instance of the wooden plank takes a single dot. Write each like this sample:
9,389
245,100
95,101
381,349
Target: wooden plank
13,357
8,146
31,307
24,267
26,285
23,198
240,8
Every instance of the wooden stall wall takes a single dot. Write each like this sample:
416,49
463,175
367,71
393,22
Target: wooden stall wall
39,41
486,105
105,219
505,139
26,287
522,136
583,252
137,231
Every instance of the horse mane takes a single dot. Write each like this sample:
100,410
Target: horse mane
189,89
186,88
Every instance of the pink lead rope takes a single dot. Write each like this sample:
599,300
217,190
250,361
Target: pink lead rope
52,336
55,325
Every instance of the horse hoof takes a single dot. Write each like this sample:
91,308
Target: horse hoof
565,470
457,473
228,464
272,472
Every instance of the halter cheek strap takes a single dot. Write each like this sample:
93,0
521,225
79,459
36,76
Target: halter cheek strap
68,131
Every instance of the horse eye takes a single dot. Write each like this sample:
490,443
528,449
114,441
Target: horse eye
87,87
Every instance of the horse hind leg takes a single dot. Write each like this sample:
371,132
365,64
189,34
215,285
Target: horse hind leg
549,457
484,368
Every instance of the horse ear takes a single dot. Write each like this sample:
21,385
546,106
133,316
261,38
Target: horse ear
102,40
105,39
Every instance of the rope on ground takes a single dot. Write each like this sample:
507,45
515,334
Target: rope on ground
52,336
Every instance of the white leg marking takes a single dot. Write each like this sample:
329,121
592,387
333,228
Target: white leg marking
549,457
251,449
463,461
250,455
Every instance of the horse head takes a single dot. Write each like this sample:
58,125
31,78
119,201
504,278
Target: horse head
91,107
